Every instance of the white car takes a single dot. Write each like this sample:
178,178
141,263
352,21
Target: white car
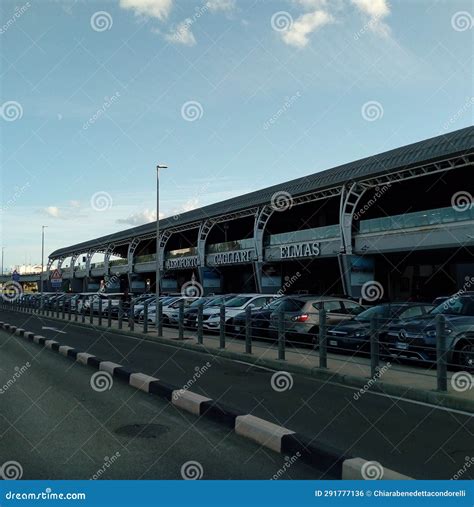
236,305
169,307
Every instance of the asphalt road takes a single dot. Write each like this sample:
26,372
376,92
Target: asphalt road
56,426
415,439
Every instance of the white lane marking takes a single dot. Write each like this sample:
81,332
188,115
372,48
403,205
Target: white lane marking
54,329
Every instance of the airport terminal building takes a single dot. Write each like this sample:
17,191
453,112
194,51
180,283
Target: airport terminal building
403,218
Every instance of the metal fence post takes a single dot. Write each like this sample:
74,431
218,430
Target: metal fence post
109,313
91,313
100,311
323,339
181,320
281,334
199,324
69,309
441,363
222,327
120,314
159,318
83,312
248,330
57,309
63,309
374,346
145,317
131,317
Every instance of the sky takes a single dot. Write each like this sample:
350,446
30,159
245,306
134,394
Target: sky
232,95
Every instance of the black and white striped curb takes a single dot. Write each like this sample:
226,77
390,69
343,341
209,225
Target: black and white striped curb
266,433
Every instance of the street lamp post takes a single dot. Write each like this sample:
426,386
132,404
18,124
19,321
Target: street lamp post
3,248
157,283
42,263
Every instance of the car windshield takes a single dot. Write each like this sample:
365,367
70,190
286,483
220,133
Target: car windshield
456,305
273,305
376,311
238,301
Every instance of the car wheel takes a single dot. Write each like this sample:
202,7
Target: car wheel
465,355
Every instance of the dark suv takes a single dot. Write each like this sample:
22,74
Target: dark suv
416,338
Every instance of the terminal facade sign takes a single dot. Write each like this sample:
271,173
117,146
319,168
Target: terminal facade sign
234,257
305,249
188,262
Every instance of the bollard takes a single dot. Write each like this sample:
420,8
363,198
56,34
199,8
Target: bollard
248,330
181,320
100,311
109,313
200,337
281,335
131,317
159,318
145,317
222,327
323,339
441,363
120,314
374,346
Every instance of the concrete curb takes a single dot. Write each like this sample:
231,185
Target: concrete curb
432,397
275,437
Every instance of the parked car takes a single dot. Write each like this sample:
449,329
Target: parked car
169,306
260,319
415,339
355,333
236,305
191,313
301,315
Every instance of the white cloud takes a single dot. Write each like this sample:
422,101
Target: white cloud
159,9
75,204
298,33
182,34
190,205
52,211
376,10
140,218
220,5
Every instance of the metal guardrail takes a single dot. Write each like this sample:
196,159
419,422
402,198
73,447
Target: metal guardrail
316,340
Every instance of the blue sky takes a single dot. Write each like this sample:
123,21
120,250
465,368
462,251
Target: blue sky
232,95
